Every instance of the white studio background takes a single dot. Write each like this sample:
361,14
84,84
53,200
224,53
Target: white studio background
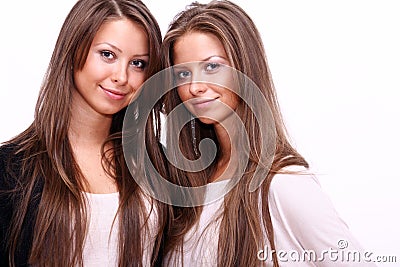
336,68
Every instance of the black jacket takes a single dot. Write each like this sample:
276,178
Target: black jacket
10,174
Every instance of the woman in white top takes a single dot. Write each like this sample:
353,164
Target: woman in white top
67,197
273,210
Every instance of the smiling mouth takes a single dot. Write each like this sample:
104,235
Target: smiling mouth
113,94
202,102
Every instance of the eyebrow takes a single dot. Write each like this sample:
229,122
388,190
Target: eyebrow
119,50
208,58
202,60
181,66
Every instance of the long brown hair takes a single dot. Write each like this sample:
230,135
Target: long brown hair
241,227
46,153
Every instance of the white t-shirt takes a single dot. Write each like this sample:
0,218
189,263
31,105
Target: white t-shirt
101,243
308,231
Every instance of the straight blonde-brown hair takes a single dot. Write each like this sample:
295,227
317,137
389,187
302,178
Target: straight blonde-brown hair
49,175
242,225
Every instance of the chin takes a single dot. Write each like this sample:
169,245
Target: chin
208,121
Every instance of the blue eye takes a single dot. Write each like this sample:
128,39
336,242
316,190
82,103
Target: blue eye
212,66
183,75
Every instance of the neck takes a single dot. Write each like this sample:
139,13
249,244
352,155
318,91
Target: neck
87,127
224,139
227,158
88,130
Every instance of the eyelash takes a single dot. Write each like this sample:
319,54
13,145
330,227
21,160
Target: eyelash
105,54
143,63
214,67
183,74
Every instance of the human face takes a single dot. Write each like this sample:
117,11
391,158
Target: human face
201,57
114,68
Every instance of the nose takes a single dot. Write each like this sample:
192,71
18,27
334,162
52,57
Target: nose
120,75
197,88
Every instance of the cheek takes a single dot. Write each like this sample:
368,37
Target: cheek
93,69
232,99
137,79
183,93
236,101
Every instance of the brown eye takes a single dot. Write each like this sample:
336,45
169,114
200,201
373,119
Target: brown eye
141,64
108,55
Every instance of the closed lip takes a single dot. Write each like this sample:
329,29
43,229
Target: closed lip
199,101
114,91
